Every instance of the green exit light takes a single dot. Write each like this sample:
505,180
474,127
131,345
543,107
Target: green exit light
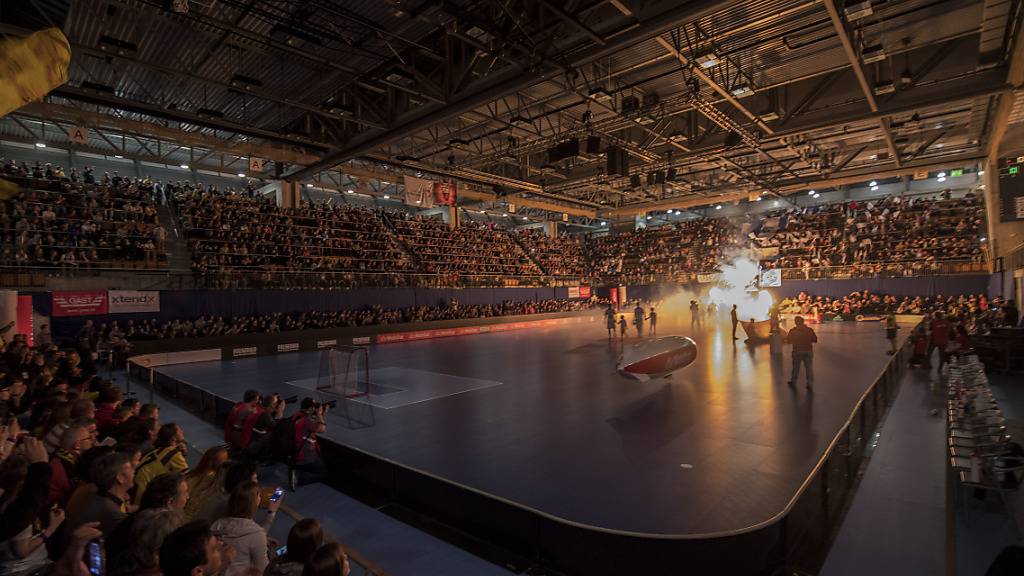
1014,169
957,172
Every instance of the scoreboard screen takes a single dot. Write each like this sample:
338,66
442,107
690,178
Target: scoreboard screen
1011,188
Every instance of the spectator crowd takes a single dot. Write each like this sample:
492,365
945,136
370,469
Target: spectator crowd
368,316
94,482
72,221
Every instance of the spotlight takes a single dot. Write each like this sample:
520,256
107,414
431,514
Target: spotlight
184,166
118,156
718,207
810,192
505,215
816,195
350,191
387,196
983,239
981,172
707,60
942,179
872,183
241,174
418,201
309,184
525,218
648,217
742,91
873,188
942,174
602,223
40,144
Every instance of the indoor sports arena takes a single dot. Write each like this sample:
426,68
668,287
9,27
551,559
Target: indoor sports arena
511,287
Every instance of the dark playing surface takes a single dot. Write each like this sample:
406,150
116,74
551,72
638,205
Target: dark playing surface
722,445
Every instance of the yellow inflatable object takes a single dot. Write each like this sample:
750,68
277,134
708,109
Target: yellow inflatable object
31,67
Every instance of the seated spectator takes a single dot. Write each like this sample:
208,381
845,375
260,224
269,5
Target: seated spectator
86,489
240,532
167,455
108,402
77,438
329,560
112,474
205,480
215,505
193,550
305,537
28,521
142,558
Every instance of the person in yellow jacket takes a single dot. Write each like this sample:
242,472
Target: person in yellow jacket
167,455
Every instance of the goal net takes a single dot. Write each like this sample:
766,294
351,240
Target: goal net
344,378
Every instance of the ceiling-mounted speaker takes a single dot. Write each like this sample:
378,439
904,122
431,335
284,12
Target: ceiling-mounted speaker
651,178
732,139
634,181
593,144
672,173
659,177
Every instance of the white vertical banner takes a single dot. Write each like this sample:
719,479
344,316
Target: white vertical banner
419,192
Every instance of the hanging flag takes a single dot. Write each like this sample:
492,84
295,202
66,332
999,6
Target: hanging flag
419,192
31,67
445,193
79,135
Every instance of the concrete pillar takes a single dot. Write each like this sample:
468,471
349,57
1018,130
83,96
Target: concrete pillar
451,215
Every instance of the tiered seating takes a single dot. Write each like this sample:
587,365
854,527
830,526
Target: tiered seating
53,223
562,256
890,236
238,233
674,252
468,250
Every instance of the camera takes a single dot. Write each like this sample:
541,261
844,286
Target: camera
332,404
290,400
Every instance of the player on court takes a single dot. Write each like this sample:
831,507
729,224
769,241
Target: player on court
638,320
653,317
610,318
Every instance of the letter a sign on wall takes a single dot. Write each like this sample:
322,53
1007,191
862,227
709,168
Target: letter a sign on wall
79,135
256,164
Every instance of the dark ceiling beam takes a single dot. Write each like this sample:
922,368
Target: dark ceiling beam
572,21
516,80
109,100
858,69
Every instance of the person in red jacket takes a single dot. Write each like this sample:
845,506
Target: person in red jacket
802,338
109,400
241,419
940,333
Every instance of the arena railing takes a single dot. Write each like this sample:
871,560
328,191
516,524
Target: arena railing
888,269
153,278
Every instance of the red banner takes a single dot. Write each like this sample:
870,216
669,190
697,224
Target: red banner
24,325
79,303
585,292
445,193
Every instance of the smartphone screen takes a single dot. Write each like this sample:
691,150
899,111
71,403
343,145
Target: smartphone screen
277,494
95,551
281,551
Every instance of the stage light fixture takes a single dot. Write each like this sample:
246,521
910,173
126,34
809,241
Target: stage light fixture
40,144
350,191
708,60
984,239
873,188
184,166
942,174
309,184
387,196
872,183
941,178
604,223
981,172
810,192
241,174
419,201
742,91
118,156
718,207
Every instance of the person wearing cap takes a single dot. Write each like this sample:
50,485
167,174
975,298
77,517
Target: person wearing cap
802,338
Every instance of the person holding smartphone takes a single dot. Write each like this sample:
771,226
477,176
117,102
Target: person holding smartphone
305,537
240,532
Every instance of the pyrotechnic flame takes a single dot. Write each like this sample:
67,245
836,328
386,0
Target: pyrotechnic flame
732,289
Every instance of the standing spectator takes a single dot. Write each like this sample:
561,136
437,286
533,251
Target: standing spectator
622,326
940,329
308,421
695,316
43,338
1010,313
638,320
609,315
890,331
242,533
735,321
653,317
802,338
